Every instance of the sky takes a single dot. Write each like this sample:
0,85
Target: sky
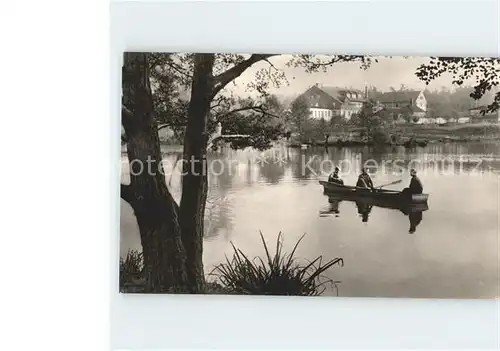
384,74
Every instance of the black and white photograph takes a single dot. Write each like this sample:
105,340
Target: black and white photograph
310,175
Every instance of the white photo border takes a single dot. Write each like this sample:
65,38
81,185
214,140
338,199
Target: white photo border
375,27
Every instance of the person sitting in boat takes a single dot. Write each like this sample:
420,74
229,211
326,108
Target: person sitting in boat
415,185
335,178
364,180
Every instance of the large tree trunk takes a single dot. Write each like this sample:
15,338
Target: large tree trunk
153,205
194,182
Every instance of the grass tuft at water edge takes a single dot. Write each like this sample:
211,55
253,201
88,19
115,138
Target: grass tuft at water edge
278,274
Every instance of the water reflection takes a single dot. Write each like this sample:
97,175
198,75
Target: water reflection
415,219
455,254
218,217
272,172
414,212
218,209
333,209
364,210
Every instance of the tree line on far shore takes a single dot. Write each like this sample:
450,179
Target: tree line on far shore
286,116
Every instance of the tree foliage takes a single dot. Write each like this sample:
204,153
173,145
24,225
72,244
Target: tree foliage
300,115
322,127
370,118
171,79
484,70
263,123
336,122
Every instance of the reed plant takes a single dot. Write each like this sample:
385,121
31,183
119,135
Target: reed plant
276,274
131,268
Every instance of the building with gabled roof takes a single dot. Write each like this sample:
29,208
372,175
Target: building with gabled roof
403,102
328,101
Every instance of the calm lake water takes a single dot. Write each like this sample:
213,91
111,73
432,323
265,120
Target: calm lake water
452,254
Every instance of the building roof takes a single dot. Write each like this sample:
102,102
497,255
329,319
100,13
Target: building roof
399,109
398,96
402,109
329,97
317,97
340,94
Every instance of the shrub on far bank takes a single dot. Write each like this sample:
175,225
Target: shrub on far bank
381,137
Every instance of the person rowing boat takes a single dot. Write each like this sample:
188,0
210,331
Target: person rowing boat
415,185
335,178
364,180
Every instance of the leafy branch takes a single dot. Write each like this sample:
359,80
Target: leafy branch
485,71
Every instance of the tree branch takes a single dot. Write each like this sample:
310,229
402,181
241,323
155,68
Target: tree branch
126,193
163,60
258,108
221,80
179,69
218,103
312,63
342,58
270,64
166,125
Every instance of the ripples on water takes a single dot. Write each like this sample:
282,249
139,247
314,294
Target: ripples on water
451,253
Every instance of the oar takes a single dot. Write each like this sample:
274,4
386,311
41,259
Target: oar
391,183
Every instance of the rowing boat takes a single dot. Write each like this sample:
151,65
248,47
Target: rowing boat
379,194
404,206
